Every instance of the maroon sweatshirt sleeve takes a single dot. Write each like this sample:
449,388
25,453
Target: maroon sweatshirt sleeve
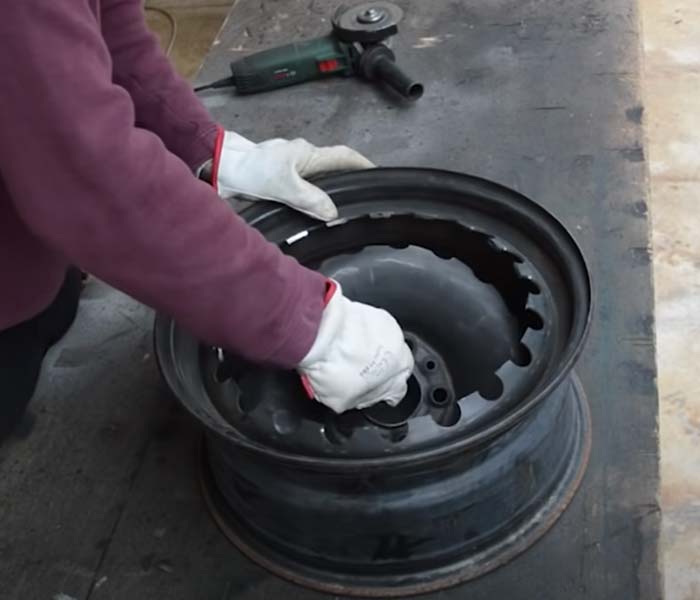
110,197
165,103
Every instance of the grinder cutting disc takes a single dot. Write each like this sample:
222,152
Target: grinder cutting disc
367,22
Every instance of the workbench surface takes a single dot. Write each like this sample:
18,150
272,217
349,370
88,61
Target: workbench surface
101,500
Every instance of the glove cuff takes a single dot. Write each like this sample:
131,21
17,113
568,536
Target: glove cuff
216,161
332,287
229,147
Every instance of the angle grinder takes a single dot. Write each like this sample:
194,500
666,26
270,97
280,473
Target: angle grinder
354,47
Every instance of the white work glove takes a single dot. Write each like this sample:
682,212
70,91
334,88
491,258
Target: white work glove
359,357
275,170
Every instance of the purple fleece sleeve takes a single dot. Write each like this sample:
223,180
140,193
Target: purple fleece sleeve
110,197
165,103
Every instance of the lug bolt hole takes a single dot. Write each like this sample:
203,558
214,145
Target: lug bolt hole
439,396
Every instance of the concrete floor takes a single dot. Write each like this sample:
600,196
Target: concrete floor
672,99
672,119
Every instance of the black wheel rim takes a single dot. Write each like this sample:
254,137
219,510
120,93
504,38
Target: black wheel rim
462,263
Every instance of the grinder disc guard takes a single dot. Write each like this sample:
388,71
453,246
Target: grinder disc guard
492,439
367,22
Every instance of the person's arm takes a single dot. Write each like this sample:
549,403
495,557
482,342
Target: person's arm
166,105
110,196
164,102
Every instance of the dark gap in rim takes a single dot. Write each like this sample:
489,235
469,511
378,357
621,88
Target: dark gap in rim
533,320
492,388
522,356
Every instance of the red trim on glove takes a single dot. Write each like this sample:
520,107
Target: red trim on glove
331,287
218,144
307,387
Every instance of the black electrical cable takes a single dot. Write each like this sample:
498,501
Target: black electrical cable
219,83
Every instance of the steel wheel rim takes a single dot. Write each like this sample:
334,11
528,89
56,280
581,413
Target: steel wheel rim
498,251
